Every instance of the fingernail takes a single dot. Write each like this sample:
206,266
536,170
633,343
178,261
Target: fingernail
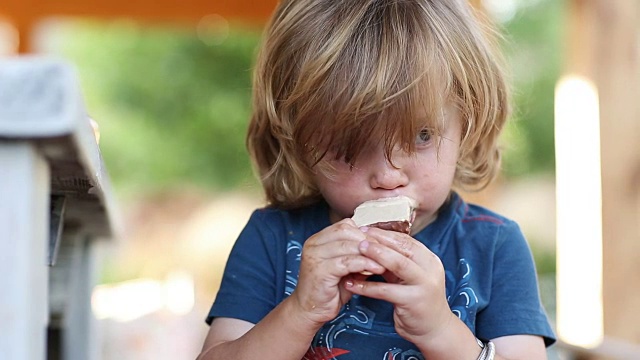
364,228
348,283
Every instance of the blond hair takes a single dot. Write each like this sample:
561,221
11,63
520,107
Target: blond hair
334,76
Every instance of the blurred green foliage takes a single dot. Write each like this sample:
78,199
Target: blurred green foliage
534,54
172,110
173,107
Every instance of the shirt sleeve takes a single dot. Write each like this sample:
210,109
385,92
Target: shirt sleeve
514,307
248,287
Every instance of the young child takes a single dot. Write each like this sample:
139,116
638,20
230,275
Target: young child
356,100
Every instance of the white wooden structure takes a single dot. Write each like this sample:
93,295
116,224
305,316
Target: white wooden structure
55,202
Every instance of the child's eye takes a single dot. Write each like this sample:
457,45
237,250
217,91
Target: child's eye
423,137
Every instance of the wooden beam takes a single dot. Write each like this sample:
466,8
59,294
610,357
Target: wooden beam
603,46
141,9
24,14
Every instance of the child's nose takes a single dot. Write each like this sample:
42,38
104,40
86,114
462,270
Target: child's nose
389,174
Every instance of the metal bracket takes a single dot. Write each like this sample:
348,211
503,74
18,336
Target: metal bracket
58,205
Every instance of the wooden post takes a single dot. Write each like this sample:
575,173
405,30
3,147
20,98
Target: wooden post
617,74
24,224
25,29
603,46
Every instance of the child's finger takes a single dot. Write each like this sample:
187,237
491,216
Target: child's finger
342,230
354,277
351,264
404,267
405,245
333,249
392,293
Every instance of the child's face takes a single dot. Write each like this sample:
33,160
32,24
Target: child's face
426,176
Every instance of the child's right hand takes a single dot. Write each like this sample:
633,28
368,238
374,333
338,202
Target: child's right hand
327,258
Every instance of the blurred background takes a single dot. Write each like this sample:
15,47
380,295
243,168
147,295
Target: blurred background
172,100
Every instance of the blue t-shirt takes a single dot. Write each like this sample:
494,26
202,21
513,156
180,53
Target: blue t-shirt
491,281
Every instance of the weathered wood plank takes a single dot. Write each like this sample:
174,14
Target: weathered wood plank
24,225
41,101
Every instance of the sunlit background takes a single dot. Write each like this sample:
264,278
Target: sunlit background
172,101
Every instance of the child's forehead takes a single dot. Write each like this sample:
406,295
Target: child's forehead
432,113
424,104
393,125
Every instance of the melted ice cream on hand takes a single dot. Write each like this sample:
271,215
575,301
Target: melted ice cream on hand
391,213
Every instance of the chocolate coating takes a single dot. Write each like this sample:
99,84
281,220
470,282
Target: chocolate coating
398,226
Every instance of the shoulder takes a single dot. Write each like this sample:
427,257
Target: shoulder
476,214
479,217
288,222
497,238
269,217
487,229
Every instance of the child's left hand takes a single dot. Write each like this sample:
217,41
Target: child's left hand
415,284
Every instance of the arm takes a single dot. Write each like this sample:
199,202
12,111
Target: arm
282,334
457,342
287,330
